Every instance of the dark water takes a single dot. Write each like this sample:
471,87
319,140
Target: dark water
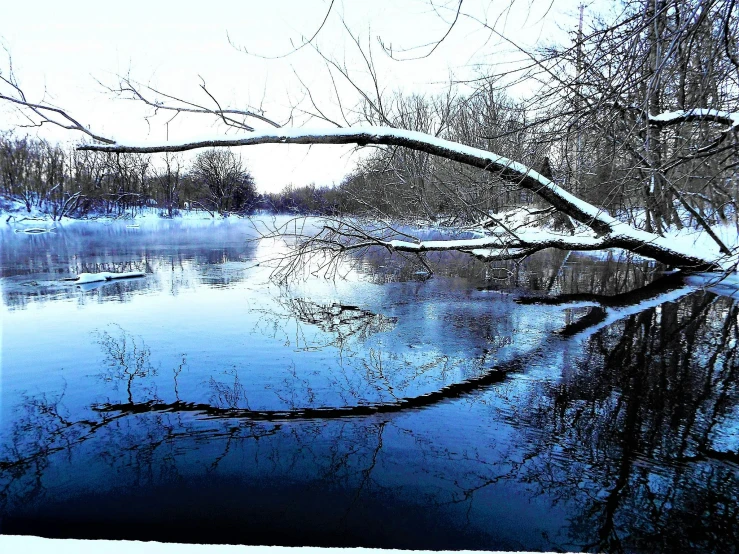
567,404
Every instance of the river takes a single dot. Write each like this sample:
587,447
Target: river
567,403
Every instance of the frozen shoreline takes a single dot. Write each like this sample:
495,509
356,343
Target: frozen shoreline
14,214
33,545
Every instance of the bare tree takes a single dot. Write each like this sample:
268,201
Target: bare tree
606,231
642,106
169,181
229,185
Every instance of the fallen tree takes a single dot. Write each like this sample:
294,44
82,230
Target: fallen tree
499,242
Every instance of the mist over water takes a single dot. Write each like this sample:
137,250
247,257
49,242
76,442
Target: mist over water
205,403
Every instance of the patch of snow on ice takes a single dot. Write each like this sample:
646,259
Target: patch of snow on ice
106,276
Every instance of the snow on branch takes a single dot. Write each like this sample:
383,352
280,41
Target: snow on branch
504,167
609,232
697,114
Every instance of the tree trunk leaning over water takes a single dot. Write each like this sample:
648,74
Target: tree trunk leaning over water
606,231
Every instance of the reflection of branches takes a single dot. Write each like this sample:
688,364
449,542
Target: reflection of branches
296,390
127,358
45,428
643,427
366,473
376,373
176,371
665,284
609,309
227,396
455,390
633,439
666,289
341,322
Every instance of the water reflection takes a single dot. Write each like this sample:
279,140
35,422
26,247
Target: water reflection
567,405
338,323
127,359
635,444
553,271
642,434
174,255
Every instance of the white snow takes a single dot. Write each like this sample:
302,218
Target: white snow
106,276
708,113
38,545
371,134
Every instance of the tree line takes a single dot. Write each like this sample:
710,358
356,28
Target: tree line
636,115
63,181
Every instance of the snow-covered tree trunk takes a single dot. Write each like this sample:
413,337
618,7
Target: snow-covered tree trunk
607,232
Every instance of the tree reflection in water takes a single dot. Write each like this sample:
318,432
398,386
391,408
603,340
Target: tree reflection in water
634,442
339,323
642,433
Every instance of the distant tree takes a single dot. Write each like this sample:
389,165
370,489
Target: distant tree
227,184
168,181
15,154
128,179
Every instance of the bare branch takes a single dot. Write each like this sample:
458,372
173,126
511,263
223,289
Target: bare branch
136,91
45,111
295,49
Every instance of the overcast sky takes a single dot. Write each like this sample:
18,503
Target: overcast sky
61,50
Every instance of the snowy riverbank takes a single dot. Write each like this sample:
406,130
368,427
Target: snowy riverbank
522,221
14,213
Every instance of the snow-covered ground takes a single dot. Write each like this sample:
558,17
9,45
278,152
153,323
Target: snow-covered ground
37,545
686,239
13,212
518,218
689,238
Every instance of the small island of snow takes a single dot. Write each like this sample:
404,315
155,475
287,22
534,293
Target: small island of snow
106,276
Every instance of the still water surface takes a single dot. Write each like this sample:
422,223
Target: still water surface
567,404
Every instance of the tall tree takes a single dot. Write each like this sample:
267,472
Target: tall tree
229,186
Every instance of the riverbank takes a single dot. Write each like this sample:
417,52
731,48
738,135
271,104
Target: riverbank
14,212
689,237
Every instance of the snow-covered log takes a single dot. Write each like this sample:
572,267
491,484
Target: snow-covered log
608,231
83,278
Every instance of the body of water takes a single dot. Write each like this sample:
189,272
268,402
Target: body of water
565,404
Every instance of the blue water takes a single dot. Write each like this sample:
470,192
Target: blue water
207,403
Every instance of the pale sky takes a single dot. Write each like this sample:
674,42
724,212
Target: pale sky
61,50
